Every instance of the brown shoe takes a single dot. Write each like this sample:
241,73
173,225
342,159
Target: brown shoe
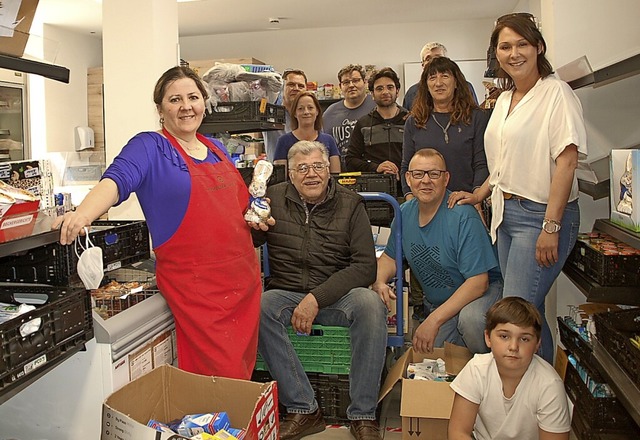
295,426
365,430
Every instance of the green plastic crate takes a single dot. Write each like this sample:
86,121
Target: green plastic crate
325,350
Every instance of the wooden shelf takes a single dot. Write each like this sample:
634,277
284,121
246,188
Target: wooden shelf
626,390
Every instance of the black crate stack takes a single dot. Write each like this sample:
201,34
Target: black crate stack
596,415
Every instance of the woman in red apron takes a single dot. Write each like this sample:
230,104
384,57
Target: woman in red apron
194,200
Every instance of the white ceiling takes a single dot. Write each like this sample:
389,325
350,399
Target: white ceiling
208,17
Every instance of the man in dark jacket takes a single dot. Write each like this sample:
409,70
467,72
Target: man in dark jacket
322,260
376,142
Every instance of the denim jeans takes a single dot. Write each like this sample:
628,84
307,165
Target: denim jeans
523,277
363,312
467,327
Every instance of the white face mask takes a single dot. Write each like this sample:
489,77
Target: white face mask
90,267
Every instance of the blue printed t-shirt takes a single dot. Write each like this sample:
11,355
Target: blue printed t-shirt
152,168
453,247
286,141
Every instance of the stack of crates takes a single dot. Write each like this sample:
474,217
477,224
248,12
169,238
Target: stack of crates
325,355
597,412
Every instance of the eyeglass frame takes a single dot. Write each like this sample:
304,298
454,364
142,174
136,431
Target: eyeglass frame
348,82
304,169
426,173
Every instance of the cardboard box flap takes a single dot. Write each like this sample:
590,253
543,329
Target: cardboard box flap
426,399
455,357
395,374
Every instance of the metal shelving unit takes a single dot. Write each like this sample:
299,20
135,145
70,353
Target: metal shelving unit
238,127
626,390
602,294
40,235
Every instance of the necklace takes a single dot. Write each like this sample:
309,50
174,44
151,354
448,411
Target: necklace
444,129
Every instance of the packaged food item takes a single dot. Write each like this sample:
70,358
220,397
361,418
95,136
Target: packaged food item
197,423
428,369
159,426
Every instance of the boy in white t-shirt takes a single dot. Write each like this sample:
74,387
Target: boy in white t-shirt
510,393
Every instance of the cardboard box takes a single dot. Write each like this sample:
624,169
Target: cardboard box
625,181
13,40
167,393
425,406
19,220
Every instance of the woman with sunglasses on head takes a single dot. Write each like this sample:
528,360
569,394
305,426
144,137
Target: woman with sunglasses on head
306,123
533,141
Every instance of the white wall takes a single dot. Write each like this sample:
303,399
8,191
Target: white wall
322,52
57,108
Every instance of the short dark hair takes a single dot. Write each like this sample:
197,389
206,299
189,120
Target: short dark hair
385,72
350,68
522,24
173,74
317,125
514,310
288,72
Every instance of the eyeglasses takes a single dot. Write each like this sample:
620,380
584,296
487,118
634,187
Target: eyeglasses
317,166
348,82
433,174
389,87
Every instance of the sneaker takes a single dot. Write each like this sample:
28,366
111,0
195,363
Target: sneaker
365,430
295,426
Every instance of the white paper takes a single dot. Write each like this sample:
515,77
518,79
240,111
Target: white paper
9,17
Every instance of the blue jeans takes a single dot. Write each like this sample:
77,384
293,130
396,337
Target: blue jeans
523,277
467,327
363,312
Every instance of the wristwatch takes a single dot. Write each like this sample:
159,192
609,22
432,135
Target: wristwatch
551,226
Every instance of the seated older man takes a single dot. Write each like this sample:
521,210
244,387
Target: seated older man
322,260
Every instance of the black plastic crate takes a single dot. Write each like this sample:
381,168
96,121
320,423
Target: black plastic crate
122,243
66,324
246,111
279,175
578,346
607,261
614,330
602,412
583,430
380,212
331,391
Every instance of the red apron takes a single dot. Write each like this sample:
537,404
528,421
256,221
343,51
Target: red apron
209,273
